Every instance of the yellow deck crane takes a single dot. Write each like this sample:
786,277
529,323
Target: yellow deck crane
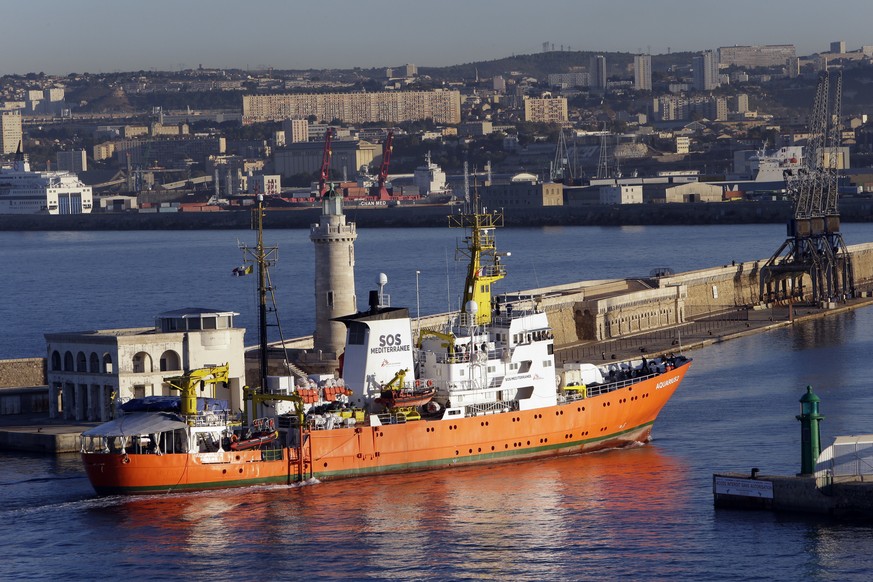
188,383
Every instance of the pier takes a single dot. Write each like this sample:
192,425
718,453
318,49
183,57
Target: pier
836,482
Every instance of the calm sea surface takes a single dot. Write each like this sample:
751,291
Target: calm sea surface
643,513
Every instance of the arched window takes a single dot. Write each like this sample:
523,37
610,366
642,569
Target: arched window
107,364
170,360
56,360
142,362
81,362
94,363
68,362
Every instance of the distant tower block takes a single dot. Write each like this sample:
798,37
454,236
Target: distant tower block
334,241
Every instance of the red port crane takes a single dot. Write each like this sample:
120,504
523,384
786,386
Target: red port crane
325,163
387,148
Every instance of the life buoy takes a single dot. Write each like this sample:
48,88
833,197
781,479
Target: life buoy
429,383
125,460
418,383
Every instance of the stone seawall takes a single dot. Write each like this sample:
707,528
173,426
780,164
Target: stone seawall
22,372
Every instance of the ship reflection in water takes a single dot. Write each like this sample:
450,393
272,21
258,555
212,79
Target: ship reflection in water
517,520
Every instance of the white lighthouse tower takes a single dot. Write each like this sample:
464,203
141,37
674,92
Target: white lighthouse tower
334,241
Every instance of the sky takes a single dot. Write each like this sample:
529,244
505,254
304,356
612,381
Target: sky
64,36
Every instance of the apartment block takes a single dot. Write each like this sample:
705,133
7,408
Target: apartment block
643,72
545,110
10,131
296,130
383,107
750,57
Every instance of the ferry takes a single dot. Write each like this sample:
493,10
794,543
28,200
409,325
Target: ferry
482,388
23,191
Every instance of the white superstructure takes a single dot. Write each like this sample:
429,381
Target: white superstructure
430,178
25,192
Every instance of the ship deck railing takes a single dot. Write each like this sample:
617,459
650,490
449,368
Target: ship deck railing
212,419
599,389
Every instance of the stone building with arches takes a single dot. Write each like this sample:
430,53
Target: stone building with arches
90,372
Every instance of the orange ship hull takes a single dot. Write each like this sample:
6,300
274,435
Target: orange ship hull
615,419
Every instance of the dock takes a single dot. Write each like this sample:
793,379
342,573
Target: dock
836,482
851,499
36,433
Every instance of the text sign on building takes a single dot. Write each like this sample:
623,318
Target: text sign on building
742,487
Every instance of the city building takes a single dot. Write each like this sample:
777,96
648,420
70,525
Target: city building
545,110
621,194
347,158
567,80
10,131
172,152
705,71
296,130
750,57
838,47
643,72
90,372
683,144
523,191
382,107
597,73
45,102
270,184
498,83
73,161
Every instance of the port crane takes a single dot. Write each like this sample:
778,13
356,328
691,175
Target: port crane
382,192
324,175
814,250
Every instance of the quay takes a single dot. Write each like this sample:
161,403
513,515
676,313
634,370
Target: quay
836,482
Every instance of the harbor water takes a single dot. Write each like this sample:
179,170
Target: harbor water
642,513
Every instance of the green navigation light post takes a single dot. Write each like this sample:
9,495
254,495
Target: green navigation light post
810,441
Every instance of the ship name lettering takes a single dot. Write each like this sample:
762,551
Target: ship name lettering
666,383
389,349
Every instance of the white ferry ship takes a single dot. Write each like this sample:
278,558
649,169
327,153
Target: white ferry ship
23,191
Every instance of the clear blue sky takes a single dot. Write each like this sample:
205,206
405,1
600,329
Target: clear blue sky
62,36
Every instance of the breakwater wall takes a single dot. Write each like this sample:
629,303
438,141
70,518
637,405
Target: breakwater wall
435,216
608,310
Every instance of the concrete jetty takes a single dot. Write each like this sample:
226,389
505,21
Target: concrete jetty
835,482
36,433
797,494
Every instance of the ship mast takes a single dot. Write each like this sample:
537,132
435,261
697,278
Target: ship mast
484,268
264,257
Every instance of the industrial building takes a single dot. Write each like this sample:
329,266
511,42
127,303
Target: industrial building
522,191
348,157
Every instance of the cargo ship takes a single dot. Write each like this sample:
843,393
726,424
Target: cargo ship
483,388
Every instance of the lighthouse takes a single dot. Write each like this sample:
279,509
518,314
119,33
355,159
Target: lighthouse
334,241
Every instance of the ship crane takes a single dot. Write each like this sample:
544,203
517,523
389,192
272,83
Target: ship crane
188,383
324,175
382,192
